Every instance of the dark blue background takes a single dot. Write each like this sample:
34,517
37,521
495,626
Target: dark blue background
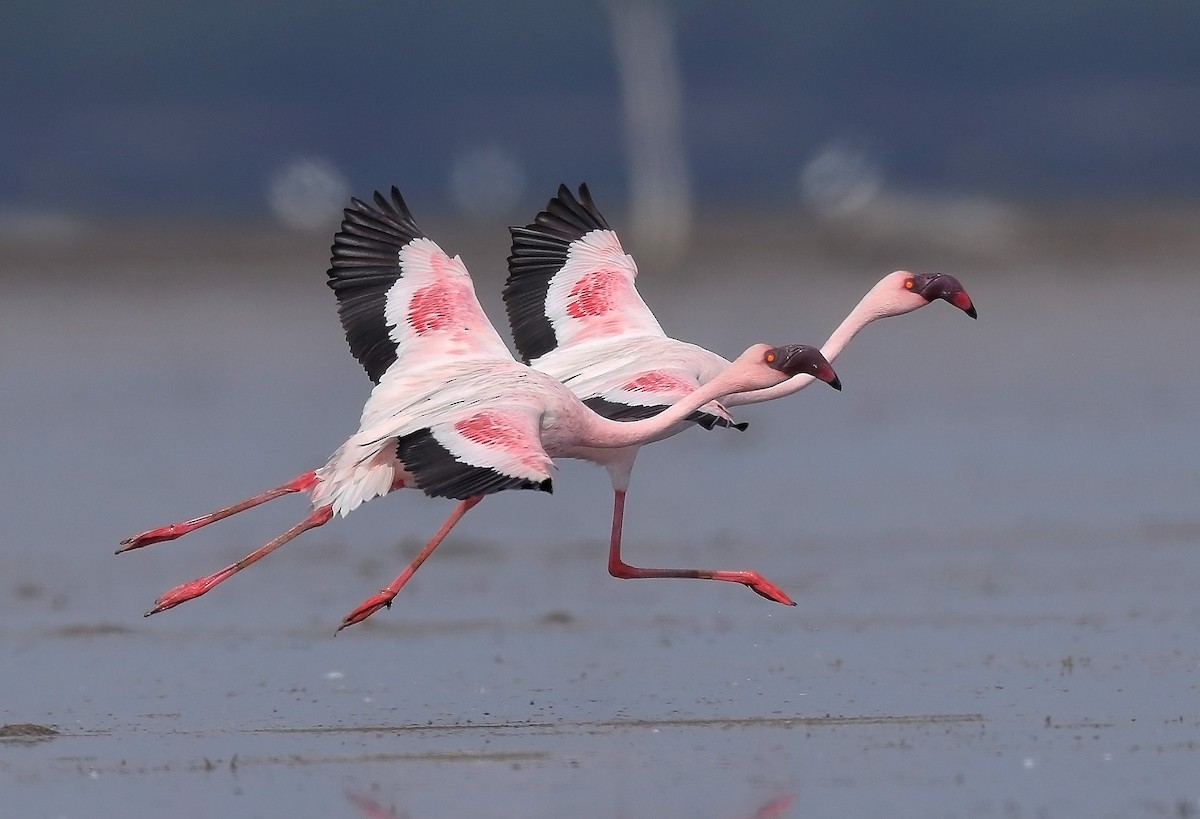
132,106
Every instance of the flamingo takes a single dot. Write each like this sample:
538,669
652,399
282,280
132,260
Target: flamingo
452,413
576,314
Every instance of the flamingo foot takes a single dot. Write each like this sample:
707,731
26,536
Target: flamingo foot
765,588
754,581
382,600
159,535
187,591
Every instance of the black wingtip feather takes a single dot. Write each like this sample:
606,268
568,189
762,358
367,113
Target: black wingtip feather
363,266
616,411
439,474
539,251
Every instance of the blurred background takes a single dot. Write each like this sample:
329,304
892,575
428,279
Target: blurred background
170,177
228,111
995,520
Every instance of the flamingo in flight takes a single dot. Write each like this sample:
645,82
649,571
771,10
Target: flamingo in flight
576,314
452,413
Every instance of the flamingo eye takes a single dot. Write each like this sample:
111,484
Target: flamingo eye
769,357
909,284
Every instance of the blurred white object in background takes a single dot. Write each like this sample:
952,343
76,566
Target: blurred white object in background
486,181
40,226
964,223
839,180
652,94
843,185
308,194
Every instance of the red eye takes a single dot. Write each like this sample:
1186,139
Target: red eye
908,284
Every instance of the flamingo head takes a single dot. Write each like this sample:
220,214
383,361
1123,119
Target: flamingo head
801,359
902,292
762,366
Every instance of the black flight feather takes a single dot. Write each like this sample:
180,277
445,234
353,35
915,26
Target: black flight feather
539,251
364,264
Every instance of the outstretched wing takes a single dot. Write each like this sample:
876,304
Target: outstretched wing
569,280
399,294
477,453
649,392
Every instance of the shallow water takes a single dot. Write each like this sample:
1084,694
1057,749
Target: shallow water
991,534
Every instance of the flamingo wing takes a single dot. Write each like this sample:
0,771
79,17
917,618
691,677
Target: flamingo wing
632,377
481,451
569,280
399,294
649,392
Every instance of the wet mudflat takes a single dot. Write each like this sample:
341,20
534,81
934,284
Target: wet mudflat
992,537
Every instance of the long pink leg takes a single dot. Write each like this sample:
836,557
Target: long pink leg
194,588
385,596
300,483
621,569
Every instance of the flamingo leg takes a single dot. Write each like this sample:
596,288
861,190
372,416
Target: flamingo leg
300,483
194,588
619,568
385,596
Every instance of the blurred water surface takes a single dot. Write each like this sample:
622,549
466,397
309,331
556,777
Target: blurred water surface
992,536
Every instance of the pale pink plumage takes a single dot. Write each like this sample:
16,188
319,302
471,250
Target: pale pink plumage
452,413
610,350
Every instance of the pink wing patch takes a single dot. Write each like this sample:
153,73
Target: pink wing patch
433,311
490,429
437,306
594,293
660,387
659,382
496,431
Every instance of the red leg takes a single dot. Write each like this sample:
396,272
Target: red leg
194,588
385,596
301,483
621,569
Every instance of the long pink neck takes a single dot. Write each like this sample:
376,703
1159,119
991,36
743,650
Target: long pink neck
858,318
603,433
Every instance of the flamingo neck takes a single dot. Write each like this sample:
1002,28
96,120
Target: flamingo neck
863,314
603,433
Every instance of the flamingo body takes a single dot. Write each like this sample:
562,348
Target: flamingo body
451,412
575,314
